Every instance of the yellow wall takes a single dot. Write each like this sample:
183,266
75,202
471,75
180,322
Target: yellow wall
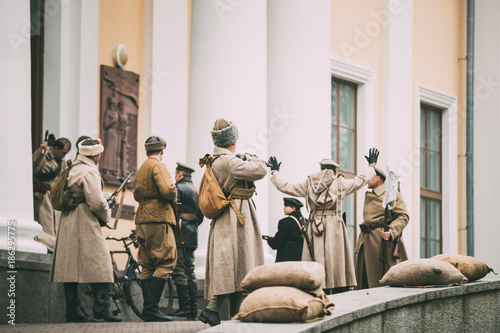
122,22
438,43
351,20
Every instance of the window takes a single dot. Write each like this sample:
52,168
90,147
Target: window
37,50
431,240
344,143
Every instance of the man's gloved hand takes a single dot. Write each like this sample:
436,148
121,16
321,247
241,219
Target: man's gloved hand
273,163
372,156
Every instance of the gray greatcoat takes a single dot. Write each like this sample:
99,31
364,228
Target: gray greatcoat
332,248
233,249
368,250
81,253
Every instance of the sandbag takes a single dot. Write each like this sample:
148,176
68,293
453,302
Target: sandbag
423,272
472,268
305,275
283,305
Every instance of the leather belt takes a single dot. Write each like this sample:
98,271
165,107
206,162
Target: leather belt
149,201
188,215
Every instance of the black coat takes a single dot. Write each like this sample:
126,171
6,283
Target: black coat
187,197
288,240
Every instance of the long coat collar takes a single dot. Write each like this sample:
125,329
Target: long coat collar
222,151
86,160
379,190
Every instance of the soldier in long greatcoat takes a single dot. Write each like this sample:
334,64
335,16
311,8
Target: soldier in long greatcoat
324,192
81,254
234,245
48,162
368,253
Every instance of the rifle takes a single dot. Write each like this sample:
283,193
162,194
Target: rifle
306,237
385,257
111,200
115,193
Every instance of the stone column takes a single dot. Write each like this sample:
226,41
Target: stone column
398,109
299,85
165,82
16,195
228,79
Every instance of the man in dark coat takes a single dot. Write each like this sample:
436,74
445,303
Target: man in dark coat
191,217
288,240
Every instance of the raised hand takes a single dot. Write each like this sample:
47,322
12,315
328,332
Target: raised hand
273,164
372,156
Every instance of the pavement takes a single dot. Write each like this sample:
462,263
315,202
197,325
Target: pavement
123,327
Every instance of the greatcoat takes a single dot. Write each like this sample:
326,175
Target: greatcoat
332,248
288,240
368,250
233,249
81,253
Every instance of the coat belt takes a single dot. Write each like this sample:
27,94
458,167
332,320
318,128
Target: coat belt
149,201
187,215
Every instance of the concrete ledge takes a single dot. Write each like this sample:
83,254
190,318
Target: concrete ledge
473,307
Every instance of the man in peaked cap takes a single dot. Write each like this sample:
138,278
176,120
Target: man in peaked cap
324,192
81,253
155,219
234,241
191,217
368,255
288,240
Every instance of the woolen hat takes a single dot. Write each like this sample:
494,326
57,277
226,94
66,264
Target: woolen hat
184,167
292,202
155,143
90,147
327,163
224,133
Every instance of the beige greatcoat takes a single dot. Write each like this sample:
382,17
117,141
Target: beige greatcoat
368,248
233,249
81,253
332,248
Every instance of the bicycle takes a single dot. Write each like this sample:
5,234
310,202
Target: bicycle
126,288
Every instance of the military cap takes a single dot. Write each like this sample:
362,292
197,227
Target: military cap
224,133
91,147
327,163
184,167
155,143
292,202
379,172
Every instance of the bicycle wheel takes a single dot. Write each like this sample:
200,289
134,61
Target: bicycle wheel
167,298
133,290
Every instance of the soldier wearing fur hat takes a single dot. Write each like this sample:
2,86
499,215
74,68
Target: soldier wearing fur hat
288,240
81,254
234,243
48,162
368,253
156,194
191,217
324,192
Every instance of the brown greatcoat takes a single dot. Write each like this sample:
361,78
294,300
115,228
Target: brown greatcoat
154,182
81,253
368,250
233,249
332,248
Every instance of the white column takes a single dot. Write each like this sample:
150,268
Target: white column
486,132
299,84
228,79
16,196
71,68
165,82
399,151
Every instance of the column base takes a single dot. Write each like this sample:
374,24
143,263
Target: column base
17,234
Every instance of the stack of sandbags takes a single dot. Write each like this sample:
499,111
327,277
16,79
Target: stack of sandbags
285,292
423,273
472,268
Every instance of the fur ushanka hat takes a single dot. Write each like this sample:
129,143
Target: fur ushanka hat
90,147
224,133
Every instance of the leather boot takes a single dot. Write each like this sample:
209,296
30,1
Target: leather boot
101,303
153,295
184,301
74,313
193,297
209,317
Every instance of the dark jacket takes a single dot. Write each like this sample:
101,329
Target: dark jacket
187,200
288,240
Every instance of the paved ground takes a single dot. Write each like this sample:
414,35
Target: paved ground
123,327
